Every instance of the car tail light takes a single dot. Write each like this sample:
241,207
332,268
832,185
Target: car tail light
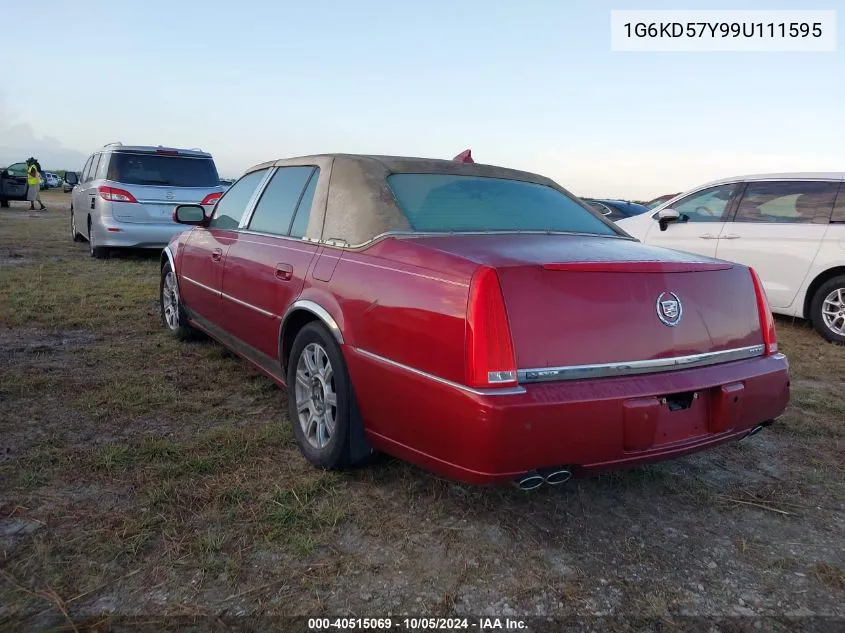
490,357
767,321
167,151
113,194
212,198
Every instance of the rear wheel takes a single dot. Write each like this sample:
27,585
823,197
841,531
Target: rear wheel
97,252
172,312
4,204
77,237
320,399
827,310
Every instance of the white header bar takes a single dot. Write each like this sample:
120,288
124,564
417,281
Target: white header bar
723,31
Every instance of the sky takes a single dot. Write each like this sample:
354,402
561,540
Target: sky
531,85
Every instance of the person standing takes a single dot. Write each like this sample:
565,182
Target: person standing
33,181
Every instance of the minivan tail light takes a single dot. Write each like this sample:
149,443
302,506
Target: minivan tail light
767,321
113,194
212,198
490,358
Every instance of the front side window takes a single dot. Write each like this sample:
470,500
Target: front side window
797,202
230,208
165,170
450,203
18,169
274,211
709,205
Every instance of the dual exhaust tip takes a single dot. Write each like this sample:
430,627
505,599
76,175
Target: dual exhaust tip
536,478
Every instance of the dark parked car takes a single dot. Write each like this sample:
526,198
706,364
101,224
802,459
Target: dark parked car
12,184
656,202
616,209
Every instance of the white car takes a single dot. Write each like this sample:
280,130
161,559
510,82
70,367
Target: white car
789,227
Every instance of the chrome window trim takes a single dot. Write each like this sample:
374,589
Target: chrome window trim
495,391
632,368
201,285
340,244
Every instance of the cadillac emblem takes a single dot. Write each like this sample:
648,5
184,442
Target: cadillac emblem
669,308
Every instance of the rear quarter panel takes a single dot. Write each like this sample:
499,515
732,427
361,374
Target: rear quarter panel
402,306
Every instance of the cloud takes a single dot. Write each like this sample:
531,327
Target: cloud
18,142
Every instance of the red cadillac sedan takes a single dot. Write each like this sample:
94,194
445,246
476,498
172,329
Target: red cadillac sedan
478,321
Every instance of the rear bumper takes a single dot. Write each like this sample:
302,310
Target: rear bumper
586,425
115,234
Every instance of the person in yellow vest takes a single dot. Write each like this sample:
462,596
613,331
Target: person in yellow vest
33,181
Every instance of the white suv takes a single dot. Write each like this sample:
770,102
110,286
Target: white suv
789,227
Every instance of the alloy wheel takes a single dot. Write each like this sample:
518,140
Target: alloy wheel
170,300
316,398
833,311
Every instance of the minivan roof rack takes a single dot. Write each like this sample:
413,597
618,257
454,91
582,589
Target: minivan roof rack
115,143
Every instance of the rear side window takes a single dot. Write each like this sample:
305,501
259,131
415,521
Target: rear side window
274,211
230,208
796,202
839,209
162,169
446,202
102,168
303,211
95,162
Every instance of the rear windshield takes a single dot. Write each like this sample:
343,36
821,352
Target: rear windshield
446,203
164,170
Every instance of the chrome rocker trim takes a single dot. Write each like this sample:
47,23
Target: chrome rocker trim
631,368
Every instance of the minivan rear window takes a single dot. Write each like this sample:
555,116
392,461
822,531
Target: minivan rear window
452,203
163,170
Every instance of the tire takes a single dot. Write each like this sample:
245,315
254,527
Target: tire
323,430
77,237
827,310
4,204
97,252
170,306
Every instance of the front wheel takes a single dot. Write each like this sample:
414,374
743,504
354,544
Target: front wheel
827,310
320,398
172,312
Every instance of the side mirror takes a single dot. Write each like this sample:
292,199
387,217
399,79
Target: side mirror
193,214
667,216
71,179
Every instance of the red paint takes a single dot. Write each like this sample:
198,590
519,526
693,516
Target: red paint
452,306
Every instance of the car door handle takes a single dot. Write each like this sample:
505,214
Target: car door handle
707,236
284,272
217,254
93,201
731,236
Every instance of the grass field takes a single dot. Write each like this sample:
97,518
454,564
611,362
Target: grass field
144,477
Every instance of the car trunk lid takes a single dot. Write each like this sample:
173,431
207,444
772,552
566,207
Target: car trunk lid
575,301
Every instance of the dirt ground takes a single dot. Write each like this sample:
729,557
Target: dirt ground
144,477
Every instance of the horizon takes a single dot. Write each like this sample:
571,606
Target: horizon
431,82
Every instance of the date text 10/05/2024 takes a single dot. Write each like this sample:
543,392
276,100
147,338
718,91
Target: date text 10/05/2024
417,624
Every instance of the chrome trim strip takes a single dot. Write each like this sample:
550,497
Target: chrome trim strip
320,312
275,237
408,272
400,234
248,305
607,370
501,391
203,286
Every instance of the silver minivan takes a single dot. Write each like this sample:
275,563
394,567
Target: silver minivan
126,195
